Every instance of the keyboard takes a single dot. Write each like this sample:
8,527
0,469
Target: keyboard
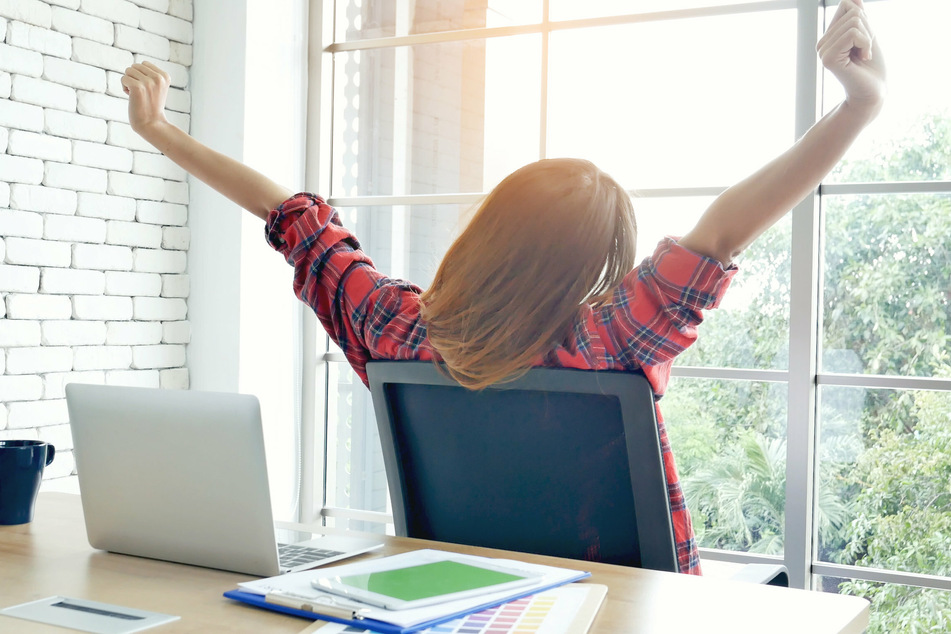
292,555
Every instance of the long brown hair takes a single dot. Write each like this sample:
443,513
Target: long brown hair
551,237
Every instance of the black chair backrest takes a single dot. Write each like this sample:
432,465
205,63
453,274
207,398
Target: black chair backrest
559,462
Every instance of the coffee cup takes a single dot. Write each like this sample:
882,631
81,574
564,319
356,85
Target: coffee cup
21,471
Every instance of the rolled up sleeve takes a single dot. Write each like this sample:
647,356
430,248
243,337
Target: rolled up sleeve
366,313
655,312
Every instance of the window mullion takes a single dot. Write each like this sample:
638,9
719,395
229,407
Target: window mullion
803,325
314,384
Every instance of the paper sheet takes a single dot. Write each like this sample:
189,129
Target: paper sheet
87,616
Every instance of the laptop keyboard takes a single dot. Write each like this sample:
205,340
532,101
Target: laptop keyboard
292,555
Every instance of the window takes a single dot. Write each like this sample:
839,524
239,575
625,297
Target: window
810,421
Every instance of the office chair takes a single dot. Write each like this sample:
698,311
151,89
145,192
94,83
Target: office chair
559,462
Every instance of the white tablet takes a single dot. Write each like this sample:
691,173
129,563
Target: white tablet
426,582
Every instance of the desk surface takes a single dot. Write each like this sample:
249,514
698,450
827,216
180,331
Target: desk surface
52,557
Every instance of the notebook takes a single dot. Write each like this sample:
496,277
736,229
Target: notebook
180,475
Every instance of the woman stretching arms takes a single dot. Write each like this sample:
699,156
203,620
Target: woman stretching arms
544,274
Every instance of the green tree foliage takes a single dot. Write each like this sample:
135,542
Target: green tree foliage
901,516
884,496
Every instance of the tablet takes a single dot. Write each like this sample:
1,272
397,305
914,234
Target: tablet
425,583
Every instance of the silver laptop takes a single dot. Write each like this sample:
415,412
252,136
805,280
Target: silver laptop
181,476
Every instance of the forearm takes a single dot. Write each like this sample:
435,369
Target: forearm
246,187
744,211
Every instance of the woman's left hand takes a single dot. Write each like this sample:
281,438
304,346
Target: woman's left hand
852,54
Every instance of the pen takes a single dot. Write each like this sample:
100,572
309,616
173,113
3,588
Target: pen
327,606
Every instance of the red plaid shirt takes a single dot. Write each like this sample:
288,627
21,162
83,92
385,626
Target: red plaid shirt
653,316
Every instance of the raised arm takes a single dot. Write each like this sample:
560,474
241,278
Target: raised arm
147,87
739,215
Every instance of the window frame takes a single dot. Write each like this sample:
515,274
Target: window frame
802,375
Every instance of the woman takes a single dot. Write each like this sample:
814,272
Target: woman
544,273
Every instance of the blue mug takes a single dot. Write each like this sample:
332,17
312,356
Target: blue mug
21,471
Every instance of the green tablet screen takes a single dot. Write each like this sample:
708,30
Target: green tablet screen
428,580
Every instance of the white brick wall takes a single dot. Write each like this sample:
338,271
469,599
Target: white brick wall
102,156
39,146
37,252
30,11
102,357
72,282
34,306
43,93
43,199
135,378
21,223
38,39
176,238
159,308
133,234
74,74
74,333
175,286
102,307
15,334
176,332
93,242
38,414
161,213
5,85
74,126
84,179
20,115
75,228
111,207
19,60
101,55
128,333
134,284
54,383
18,279
102,257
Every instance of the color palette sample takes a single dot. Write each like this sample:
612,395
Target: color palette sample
524,616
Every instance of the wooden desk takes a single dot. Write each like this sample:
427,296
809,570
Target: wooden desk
52,557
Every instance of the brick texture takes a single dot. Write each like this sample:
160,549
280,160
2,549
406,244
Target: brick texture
93,236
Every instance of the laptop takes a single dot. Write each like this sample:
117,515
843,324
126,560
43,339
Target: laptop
181,476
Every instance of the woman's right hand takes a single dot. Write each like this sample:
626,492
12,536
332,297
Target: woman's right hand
147,87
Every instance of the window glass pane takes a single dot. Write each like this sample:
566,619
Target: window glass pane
573,10
362,19
356,478
911,138
750,329
435,118
729,441
703,114
666,216
887,263
409,241
896,608
883,470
